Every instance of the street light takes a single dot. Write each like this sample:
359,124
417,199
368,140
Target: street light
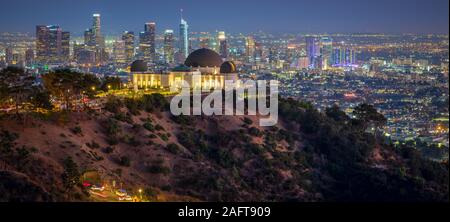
140,194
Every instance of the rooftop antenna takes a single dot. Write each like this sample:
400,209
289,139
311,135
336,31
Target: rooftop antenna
181,13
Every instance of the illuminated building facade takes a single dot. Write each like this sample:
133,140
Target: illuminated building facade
120,57
168,46
250,49
312,51
147,42
204,63
52,44
223,47
184,40
128,39
326,48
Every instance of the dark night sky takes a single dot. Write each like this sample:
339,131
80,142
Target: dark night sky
294,16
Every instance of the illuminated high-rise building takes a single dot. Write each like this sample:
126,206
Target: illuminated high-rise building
97,31
250,49
52,44
326,51
312,51
168,46
65,46
96,25
119,54
350,57
223,47
128,39
77,49
94,40
147,42
184,39
258,56
41,42
89,39
9,56
29,57
337,56
344,56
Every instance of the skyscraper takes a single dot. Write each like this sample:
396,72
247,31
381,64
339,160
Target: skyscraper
223,47
120,57
97,31
147,42
326,49
168,46
336,56
52,44
128,39
312,51
94,40
65,46
350,56
184,40
250,49
9,56
41,42
89,39
29,56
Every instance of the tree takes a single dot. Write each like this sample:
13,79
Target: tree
67,85
367,115
71,175
41,99
111,81
17,86
113,104
336,114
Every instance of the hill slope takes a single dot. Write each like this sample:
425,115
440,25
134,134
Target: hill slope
308,156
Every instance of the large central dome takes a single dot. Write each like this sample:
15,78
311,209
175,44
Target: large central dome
203,58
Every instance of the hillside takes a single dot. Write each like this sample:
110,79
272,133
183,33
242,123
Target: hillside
308,156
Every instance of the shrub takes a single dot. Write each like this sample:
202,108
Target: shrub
124,117
133,141
159,127
154,102
164,137
157,167
132,105
149,126
113,104
173,148
76,130
254,132
183,120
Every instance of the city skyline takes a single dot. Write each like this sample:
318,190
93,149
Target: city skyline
400,16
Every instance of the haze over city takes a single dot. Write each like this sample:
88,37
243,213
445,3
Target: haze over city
284,16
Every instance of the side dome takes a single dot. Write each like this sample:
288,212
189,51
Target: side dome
203,58
228,67
139,66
